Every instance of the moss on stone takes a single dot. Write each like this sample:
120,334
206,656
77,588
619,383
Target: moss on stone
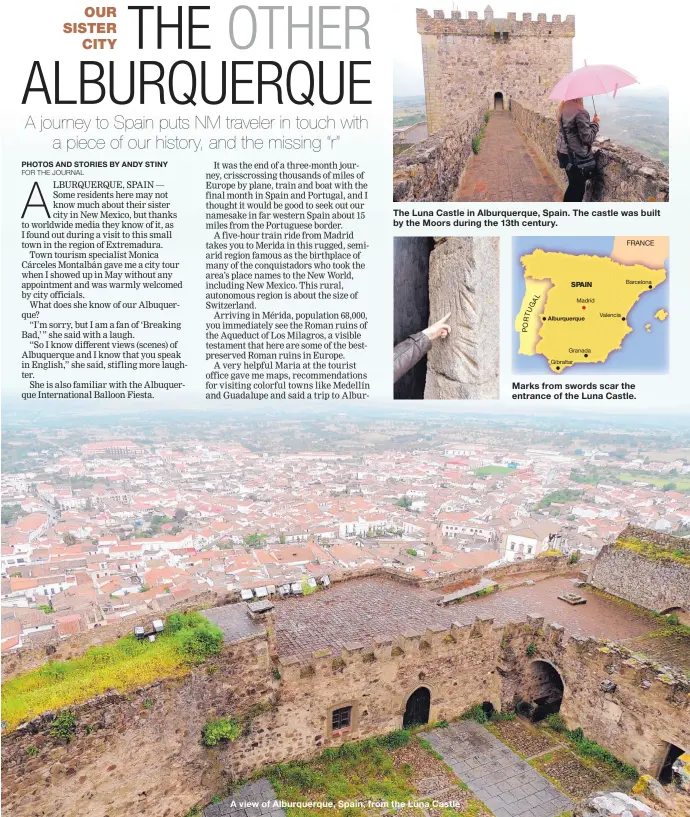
653,551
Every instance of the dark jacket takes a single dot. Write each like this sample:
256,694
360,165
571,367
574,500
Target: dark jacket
408,352
579,131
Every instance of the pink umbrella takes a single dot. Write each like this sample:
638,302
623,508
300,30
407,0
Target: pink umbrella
591,80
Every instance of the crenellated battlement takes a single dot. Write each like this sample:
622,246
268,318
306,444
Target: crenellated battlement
434,641
473,25
475,61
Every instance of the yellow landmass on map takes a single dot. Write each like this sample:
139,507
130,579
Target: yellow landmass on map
528,320
584,318
648,327
661,315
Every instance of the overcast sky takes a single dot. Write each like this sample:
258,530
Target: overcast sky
632,35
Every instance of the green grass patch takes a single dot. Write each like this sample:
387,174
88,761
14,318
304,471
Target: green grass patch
353,771
488,470
680,483
478,714
590,749
188,639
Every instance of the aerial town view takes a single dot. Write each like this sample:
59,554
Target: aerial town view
451,615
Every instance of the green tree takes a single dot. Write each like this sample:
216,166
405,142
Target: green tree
255,540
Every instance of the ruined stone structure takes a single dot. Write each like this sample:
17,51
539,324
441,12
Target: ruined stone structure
464,280
651,577
470,63
507,66
283,679
141,753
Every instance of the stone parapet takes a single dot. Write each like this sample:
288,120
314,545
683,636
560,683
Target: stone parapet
431,170
474,26
623,173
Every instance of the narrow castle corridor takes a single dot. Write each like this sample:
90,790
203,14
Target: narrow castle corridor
506,168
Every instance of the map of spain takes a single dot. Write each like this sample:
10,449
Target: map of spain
575,307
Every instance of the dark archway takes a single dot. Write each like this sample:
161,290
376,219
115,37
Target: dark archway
681,614
498,101
411,306
417,708
666,772
545,690
488,708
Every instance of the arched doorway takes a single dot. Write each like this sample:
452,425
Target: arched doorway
682,615
666,771
498,101
417,708
544,690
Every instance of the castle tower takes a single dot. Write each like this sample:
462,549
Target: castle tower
471,63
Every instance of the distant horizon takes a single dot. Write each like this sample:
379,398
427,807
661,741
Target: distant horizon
679,418
633,90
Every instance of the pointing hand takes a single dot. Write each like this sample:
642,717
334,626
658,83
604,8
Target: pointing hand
440,329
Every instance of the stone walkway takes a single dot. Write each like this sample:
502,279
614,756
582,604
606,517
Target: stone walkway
505,783
506,168
254,799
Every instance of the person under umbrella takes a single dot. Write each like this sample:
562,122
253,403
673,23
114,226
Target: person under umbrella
576,135
576,131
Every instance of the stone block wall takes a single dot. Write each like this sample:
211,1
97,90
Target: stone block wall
466,61
656,584
623,173
457,665
431,170
464,280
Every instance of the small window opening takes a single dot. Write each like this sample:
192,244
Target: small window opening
341,718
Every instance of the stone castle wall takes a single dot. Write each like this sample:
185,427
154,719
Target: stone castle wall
54,648
624,174
467,61
141,753
648,582
431,170
138,753
541,131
